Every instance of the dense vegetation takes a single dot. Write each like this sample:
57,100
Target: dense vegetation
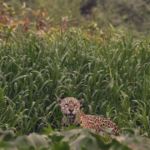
75,139
42,58
82,12
111,75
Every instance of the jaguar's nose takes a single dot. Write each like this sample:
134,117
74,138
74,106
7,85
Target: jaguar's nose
71,109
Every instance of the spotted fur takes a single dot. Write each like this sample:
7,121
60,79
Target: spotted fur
70,107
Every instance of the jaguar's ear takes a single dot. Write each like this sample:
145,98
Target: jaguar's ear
59,101
81,102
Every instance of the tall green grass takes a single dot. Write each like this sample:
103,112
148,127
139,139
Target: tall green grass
113,76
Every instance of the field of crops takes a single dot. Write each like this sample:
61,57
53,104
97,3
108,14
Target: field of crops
111,74
42,58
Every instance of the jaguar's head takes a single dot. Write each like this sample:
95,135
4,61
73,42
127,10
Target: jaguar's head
70,106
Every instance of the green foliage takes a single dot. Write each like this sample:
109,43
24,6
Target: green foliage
122,13
77,139
118,13
111,75
111,72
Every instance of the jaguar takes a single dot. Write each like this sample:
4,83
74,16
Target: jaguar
70,108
